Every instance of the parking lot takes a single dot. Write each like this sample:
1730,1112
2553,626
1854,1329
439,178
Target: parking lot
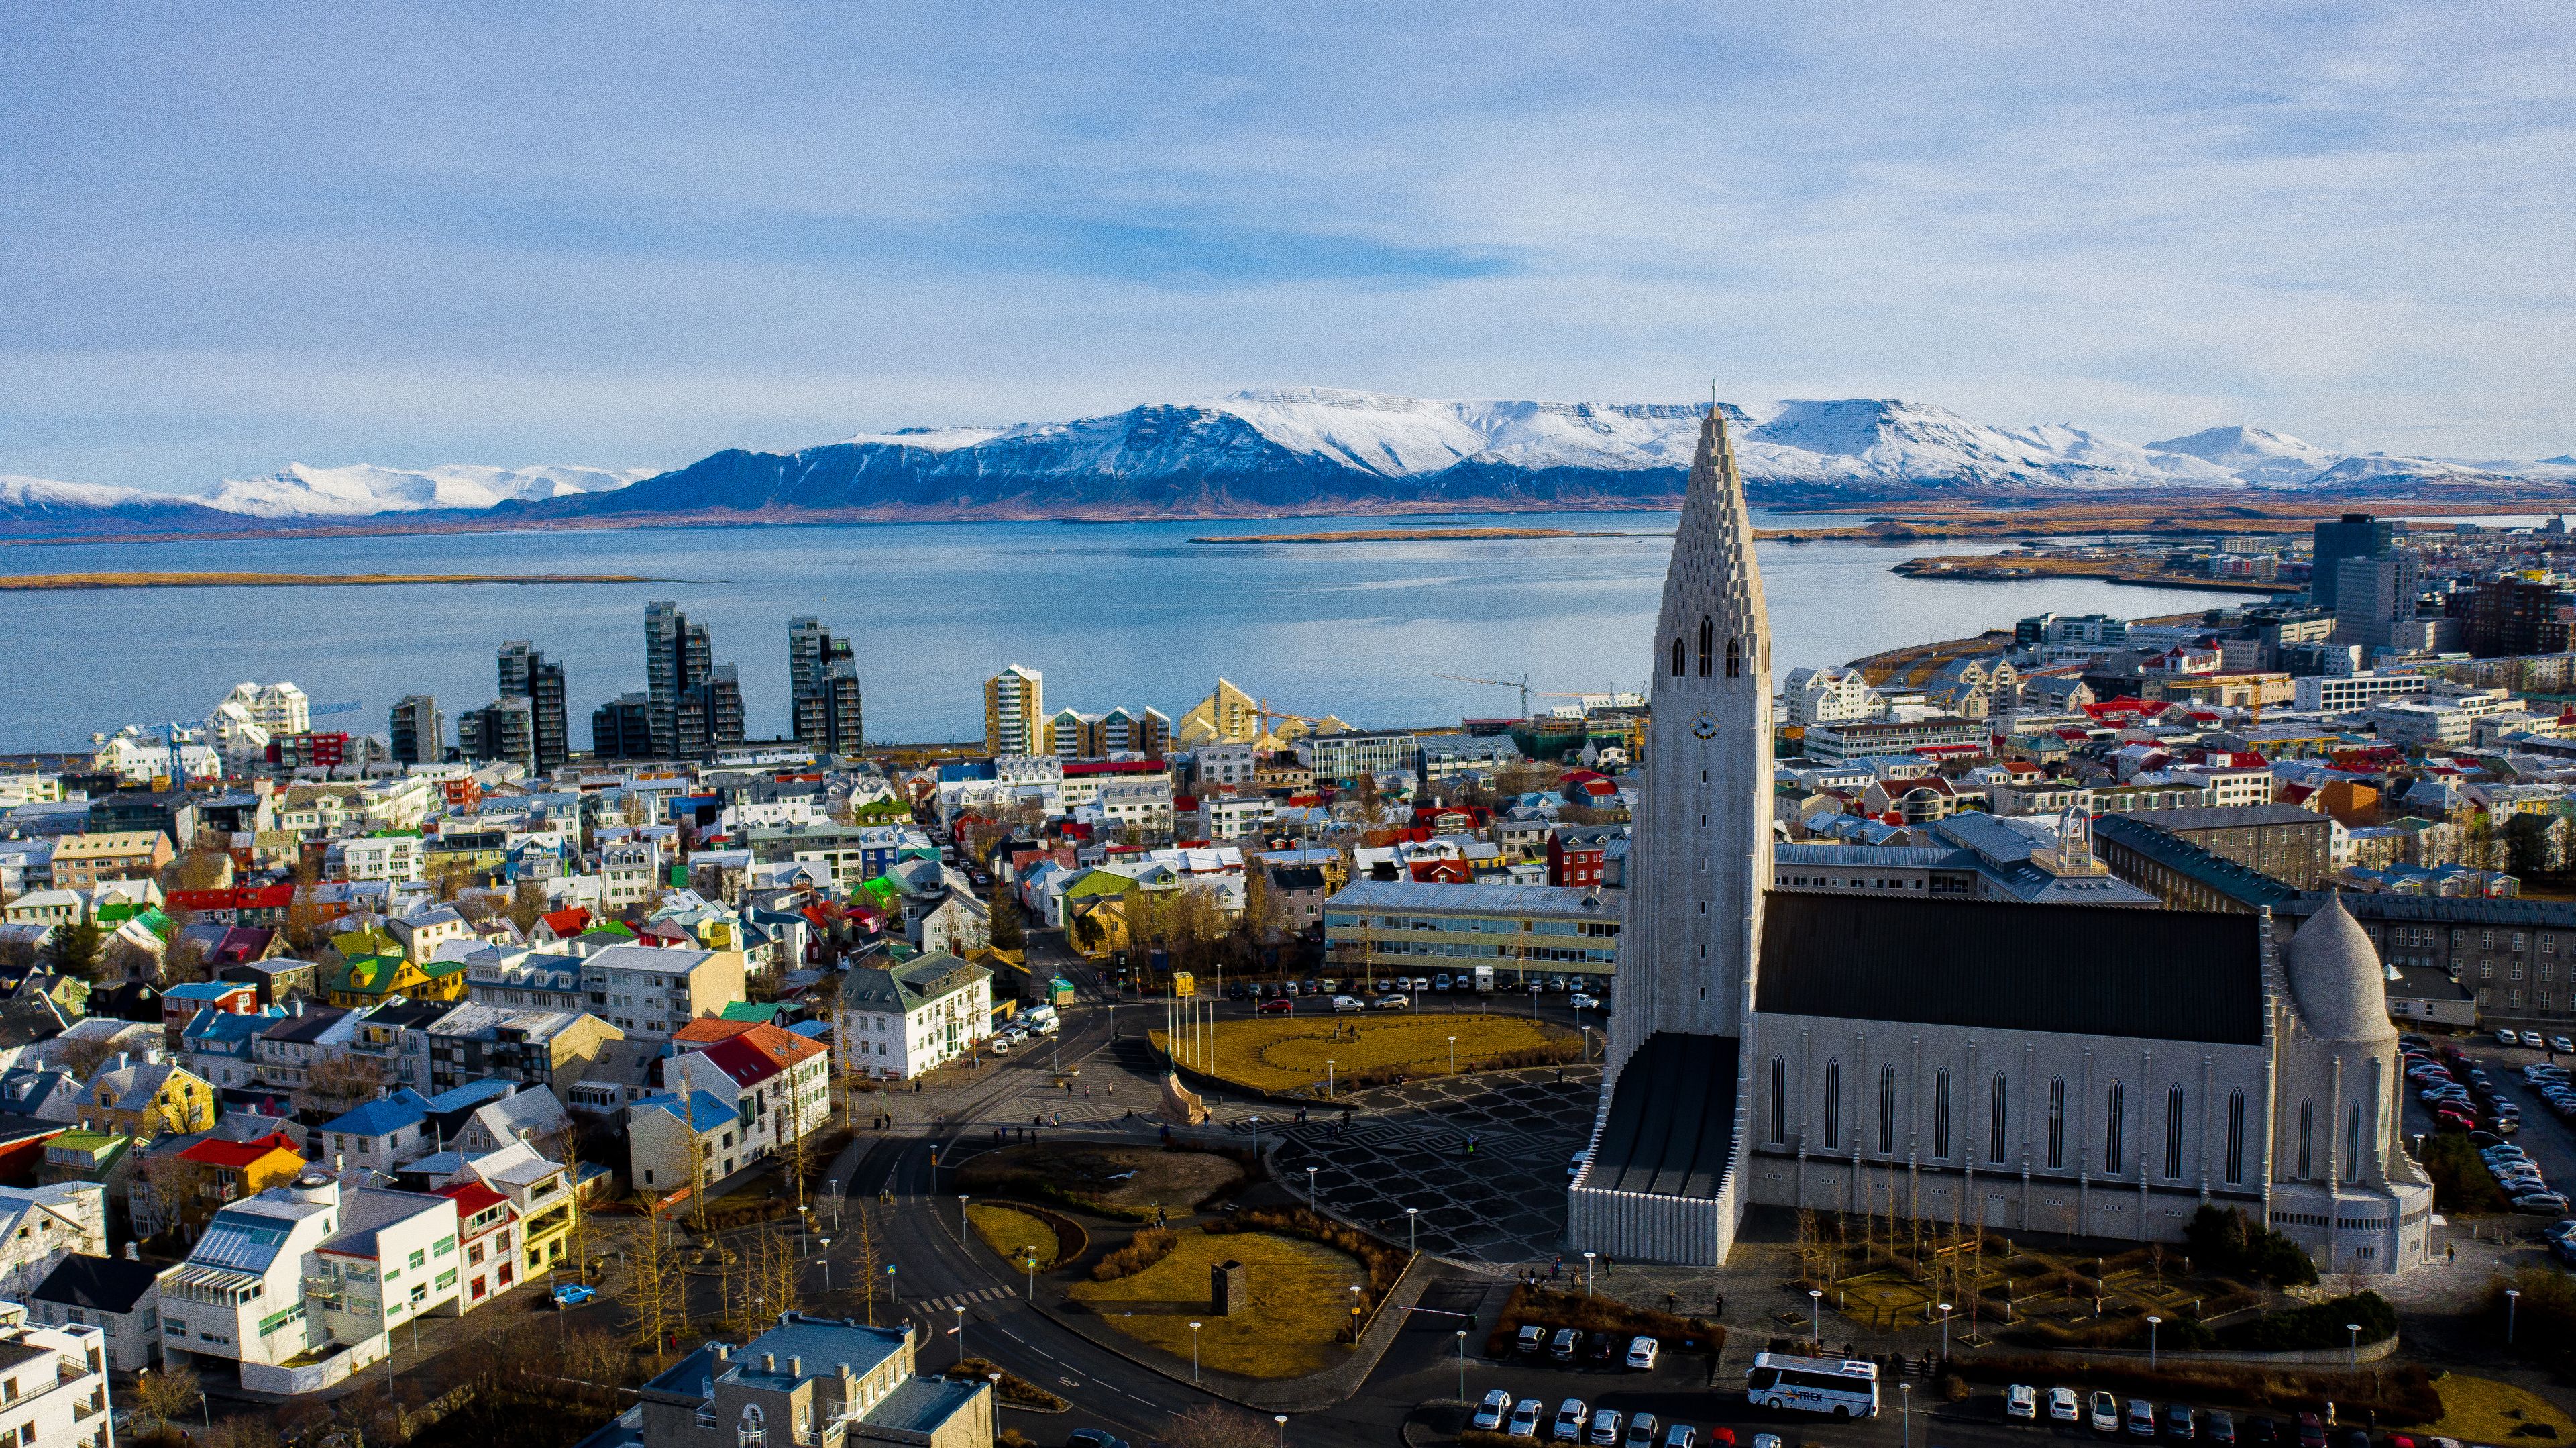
2543,1135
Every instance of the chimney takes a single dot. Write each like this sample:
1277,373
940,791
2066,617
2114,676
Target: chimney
130,1254
796,1367
769,1362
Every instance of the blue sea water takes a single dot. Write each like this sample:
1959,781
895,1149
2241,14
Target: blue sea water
1113,613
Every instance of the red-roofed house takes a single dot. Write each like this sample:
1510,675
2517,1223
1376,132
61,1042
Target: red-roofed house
232,1171
776,1081
486,1223
558,927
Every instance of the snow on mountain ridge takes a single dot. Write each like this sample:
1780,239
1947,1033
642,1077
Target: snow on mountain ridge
20,491
364,489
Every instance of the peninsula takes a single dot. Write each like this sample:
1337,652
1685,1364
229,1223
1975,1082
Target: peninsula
33,582
1419,535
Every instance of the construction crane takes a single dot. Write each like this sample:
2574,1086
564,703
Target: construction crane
352,707
1262,711
1522,684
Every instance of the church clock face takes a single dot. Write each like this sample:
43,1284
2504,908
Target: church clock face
1703,725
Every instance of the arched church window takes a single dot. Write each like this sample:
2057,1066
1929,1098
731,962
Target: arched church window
2236,1135
1779,1101
1707,646
1734,657
2056,1123
2173,1130
2111,1143
1833,1105
1995,1119
1677,656
1886,1110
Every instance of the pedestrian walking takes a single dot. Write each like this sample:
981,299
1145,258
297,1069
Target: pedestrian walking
2450,1253
1721,1305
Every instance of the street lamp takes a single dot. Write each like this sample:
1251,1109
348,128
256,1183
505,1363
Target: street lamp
2512,1299
827,1264
1412,1218
961,1219
2153,1322
1905,1411
1453,1055
1816,1311
1945,1332
960,1330
1282,1420
2352,1350
1310,1189
1194,1352
1587,1274
1355,1315
1462,1365
802,1215
1029,1254
1328,1078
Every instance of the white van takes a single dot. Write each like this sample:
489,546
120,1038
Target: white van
1041,1019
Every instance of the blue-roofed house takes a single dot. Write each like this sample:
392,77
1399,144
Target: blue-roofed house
220,1044
381,1134
665,1135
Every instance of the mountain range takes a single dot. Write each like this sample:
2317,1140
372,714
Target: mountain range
1299,450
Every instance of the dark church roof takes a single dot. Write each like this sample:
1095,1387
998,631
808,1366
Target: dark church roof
1672,1118
2173,975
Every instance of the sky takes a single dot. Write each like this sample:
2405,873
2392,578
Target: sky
628,235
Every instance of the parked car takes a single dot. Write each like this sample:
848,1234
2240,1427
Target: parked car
2312,1431
1347,1003
2105,1413
2562,1045
1681,1435
1276,1006
1393,1002
1525,1418
2508,1038
2142,1418
1563,1346
2540,1203
1491,1413
2261,1432
1600,1348
2531,1039
2179,1423
2021,1402
1641,1431
1440,983
1582,1002
1093,1438
2064,1406
573,1294
1642,1352
1532,1337
1569,1421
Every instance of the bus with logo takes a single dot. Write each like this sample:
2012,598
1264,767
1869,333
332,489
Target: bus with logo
1836,1387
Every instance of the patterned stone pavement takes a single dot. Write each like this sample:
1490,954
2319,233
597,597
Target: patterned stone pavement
1406,1146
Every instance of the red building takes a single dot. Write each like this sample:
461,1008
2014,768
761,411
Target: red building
293,751
242,905
1575,860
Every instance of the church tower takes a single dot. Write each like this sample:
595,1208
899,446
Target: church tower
1701,860
1664,1180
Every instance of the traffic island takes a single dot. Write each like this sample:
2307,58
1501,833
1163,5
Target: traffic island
1135,1183
1314,1055
1292,1317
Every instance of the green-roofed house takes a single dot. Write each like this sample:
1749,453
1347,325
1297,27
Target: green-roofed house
89,1156
764,1013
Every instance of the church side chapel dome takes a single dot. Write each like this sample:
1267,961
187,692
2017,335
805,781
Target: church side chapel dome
2336,979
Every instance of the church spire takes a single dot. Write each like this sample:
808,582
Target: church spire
1713,623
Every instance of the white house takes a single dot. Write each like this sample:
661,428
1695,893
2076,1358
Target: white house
40,1226
896,1022
57,1378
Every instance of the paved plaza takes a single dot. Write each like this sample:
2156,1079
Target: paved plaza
1406,1146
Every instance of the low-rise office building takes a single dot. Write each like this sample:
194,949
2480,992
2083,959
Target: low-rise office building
1516,931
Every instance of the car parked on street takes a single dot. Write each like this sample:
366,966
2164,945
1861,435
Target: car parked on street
1641,1431
1565,1344
2064,1406
2021,1403
1277,1006
2179,1423
1348,1003
1496,1408
1525,1418
1569,1422
1393,1002
2142,1418
1531,1338
1642,1352
2105,1415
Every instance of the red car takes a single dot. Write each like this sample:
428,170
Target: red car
2456,1121
1276,1006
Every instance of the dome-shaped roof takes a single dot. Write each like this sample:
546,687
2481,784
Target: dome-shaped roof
2336,980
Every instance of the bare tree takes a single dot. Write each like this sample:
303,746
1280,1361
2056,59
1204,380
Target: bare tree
80,1059
166,1394
1215,1425
656,1285
340,1083
867,1253
182,1192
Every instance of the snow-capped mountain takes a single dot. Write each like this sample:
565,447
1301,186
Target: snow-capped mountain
1303,450
363,489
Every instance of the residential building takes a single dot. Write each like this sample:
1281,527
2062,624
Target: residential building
1144,805
542,1203
1015,712
82,861
527,674
2228,784
119,1296
390,855
2373,598
899,1021
808,1380
535,1048
525,980
418,730
503,731
2516,614
622,728
145,1099
824,708
487,1231
289,1049
1826,696
777,1084
678,655
40,1226
1375,926
58,1378
2285,842
648,992
709,717
680,1144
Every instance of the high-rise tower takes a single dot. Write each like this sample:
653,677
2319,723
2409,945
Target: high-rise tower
527,674
1662,1182
677,657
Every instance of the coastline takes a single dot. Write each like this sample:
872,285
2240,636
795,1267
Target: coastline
60,582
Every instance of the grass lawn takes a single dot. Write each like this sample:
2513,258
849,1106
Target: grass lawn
1007,1232
1282,1053
2482,1410
1122,1176
1300,1304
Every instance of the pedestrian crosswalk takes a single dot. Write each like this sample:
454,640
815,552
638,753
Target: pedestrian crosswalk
968,1299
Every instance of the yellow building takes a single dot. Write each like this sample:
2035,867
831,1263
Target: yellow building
371,979
1230,716
1015,720
81,861
144,1100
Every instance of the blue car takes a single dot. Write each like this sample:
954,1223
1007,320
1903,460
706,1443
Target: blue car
573,1294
